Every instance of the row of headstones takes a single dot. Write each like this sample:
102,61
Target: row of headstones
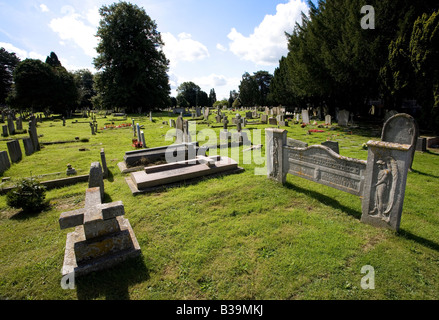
30,144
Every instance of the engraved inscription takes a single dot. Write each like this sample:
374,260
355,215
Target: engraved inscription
320,165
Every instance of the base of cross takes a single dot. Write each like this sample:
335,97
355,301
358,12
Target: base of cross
102,236
124,245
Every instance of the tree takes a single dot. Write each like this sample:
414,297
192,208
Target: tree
232,97
84,80
212,97
254,89
8,63
34,81
424,56
248,90
130,56
39,86
53,60
190,92
281,92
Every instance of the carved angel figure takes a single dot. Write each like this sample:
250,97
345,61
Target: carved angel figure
385,188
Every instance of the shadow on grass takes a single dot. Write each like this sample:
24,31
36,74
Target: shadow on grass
113,283
425,242
110,176
27,214
325,199
424,174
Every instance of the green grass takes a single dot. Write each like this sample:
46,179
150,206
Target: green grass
232,237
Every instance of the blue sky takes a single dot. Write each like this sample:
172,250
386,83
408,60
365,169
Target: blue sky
210,42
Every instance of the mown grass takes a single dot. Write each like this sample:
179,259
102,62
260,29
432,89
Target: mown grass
229,237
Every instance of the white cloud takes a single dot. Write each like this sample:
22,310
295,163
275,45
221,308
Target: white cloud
268,43
22,54
183,48
44,8
72,26
220,47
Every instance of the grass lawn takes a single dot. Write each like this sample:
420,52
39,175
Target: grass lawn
230,237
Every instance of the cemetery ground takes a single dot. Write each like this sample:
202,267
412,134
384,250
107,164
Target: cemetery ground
239,236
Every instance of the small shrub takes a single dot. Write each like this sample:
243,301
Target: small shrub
28,195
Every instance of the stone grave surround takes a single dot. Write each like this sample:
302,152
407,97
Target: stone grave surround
151,178
380,181
102,236
135,160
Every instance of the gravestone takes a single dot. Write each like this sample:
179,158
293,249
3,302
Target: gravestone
383,198
333,145
134,127
70,170
96,178
33,134
421,144
19,124
402,129
11,127
305,117
92,127
14,151
104,164
5,164
5,131
102,236
296,143
28,146
142,139
343,118
272,121
206,113
264,118
328,120
389,114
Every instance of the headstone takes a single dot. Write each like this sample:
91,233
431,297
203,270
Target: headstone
150,116
383,198
328,120
134,128
402,129
96,178
343,118
5,164
102,236
218,118
104,164
5,131
92,127
206,113
14,151
333,145
264,118
198,111
63,121
421,144
70,170
33,135
305,116
272,121
390,114
28,146
11,126
139,137
19,124
142,139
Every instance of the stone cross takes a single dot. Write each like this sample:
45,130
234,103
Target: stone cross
225,122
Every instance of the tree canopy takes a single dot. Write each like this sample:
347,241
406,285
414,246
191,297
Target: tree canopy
333,58
132,66
8,62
